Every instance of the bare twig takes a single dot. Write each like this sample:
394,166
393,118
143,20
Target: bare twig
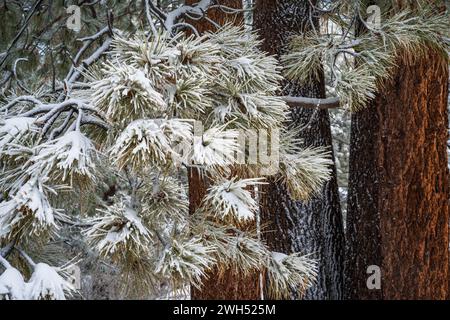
312,103
4,56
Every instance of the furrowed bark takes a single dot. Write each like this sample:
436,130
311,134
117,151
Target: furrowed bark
398,213
308,227
398,187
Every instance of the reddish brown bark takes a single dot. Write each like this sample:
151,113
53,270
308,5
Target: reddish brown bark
228,284
398,189
217,15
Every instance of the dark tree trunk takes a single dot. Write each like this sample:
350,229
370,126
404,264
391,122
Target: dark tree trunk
316,226
229,284
398,187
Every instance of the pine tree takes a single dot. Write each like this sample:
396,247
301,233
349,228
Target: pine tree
398,184
388,165
134,118
138,149
313,226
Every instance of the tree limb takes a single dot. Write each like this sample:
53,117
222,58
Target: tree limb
312,103
24,26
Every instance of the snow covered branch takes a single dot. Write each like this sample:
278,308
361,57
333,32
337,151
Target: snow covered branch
45,283
52,110
76,72
198,9
150,96
73,73
30,14
6,249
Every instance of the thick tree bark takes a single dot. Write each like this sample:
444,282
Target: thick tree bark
316,226
398,187
229,284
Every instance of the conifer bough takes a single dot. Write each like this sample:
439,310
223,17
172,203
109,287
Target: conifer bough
126,120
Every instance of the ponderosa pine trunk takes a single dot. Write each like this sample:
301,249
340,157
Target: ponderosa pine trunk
399,187
314,226
229,284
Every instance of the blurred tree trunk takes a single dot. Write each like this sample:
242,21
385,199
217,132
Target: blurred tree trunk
316,226
228,285
398,214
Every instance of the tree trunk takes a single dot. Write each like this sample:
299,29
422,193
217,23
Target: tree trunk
227,285
316,226
398,187
219,286
217,15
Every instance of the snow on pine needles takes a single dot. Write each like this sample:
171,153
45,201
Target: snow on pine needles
115,153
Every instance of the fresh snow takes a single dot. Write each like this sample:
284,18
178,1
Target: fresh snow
151,139
12,284
72,151
29,197
13,129
46,283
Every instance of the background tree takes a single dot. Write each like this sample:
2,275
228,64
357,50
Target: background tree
313,226
90,134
